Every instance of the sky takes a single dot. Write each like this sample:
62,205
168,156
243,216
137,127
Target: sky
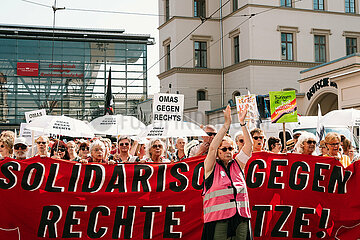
32,12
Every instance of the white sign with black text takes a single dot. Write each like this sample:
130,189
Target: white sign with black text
29,116
168,107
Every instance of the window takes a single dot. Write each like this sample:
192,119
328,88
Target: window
320,48
350,6
351,45
167,55
235,94
199,8
286,3
167,10
200,54
287,46
168,62
319,5
236,49
201,95
235,5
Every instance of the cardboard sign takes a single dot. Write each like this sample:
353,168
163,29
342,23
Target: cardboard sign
29,116
283,106
248,101
168,107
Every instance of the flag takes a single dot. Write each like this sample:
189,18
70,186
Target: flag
320,130
109,99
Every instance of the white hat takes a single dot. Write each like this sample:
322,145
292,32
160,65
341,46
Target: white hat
20,140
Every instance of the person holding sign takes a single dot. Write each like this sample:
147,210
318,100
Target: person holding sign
225,197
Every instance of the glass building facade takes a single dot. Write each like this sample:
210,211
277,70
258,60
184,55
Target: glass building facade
65,71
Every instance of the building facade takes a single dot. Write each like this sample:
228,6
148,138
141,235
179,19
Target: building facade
65,71
252,46
333,85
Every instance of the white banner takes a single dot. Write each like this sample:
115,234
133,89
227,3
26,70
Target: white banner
29,116
168,107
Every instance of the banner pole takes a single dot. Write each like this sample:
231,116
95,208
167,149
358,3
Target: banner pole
32,142
284,135
166,149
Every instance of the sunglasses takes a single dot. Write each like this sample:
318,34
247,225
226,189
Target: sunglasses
241,140
41,143
84,148
334,144
224,149
62,149
311,142
258,137
122,144
20,146
157,146
2,146
211,134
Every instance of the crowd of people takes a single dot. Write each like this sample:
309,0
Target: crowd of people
128,150
225,160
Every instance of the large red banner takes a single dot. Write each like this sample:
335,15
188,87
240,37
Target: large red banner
291,196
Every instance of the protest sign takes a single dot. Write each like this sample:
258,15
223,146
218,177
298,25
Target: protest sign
28,134
283,106
292,196
29,116
168,107
249,102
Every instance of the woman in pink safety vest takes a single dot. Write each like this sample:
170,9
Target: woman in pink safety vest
225,197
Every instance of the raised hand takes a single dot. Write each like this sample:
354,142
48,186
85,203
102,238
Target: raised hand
227,115
242,115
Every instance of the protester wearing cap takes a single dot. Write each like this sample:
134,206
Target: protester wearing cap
274,144
202,148
20,148
332,141
59,151
306,144
42,145
225,197
290,144
6,146
179,153
258,139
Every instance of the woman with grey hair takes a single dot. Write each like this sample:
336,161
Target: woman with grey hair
97,153
155,152
306,144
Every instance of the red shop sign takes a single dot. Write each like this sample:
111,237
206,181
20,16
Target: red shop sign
27,69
